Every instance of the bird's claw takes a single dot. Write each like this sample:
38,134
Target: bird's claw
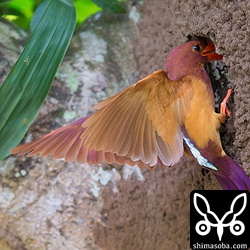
223,106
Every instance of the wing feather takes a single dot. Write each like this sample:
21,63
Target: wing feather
73,151
49,144
139,125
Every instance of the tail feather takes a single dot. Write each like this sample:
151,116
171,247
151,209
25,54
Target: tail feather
230,174
226,183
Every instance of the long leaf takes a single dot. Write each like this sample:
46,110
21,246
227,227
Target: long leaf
29,81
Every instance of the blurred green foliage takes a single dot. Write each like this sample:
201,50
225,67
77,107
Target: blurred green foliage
22,11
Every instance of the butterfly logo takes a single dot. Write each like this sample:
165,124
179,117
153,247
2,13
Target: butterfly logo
203,227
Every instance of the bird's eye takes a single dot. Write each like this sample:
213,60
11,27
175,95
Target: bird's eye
196,47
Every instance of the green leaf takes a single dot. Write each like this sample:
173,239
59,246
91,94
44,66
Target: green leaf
38,15
84,9
4,1
29,81
25,8
113,6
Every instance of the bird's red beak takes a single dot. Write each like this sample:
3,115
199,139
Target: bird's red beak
209,51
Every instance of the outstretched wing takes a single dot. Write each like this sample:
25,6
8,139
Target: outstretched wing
140,125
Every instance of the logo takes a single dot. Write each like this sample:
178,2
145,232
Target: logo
203,227
219,219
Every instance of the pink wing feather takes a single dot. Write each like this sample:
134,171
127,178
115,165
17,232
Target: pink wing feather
120,131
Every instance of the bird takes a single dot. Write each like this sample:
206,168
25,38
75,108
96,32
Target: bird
153,122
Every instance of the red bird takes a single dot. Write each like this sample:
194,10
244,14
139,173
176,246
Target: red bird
152,122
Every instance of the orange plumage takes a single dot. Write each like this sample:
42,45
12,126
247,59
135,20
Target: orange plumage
149,122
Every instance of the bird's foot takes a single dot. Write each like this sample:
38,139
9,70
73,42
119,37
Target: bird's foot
223,106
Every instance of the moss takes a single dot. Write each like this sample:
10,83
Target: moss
90,65
69,115
67,74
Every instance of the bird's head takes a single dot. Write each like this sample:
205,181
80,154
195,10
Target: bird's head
189,59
